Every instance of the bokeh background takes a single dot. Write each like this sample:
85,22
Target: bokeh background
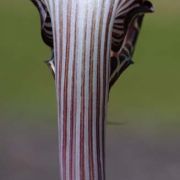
143,131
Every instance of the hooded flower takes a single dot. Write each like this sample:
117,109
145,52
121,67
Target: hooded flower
127,24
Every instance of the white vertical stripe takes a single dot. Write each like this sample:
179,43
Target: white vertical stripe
101,73
96,48
79,57
69,98
88,40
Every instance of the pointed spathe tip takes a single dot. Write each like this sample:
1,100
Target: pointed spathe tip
149,6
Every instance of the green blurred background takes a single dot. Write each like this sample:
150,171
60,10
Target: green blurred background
144,107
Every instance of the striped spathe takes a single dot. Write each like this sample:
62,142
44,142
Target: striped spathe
92,43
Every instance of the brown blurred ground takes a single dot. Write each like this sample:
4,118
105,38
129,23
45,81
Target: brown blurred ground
131,155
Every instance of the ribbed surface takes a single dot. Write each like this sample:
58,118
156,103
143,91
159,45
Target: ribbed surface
92,42
82,42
